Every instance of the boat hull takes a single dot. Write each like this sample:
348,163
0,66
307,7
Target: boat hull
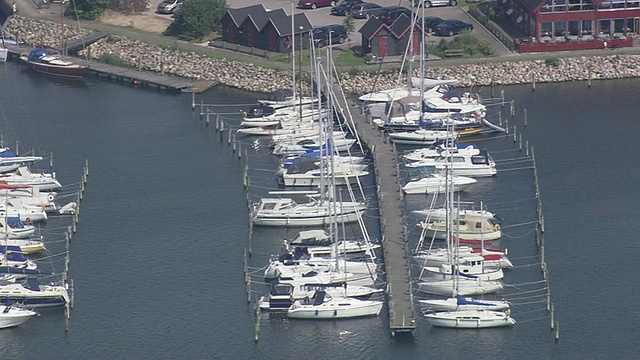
335,310
12,317
75,72
470,319
311,220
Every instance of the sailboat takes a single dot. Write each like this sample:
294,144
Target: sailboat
467,313
324,306
48,62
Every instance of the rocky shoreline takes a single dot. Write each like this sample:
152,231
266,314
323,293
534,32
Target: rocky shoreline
250,77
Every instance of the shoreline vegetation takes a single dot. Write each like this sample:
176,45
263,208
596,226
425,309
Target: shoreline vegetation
251,77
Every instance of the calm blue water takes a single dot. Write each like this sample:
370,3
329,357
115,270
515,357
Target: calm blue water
157,259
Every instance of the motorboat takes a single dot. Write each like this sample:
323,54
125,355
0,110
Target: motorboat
15,208
290,129
465,287
358,163
284,117
470,319
283,98
420,136
14,315
320,270
325,306
32,294
287,212
310,145
428,181
463,303
318,244
14,228
440,213
24,177
443,99
27,195
469,162
307,172
47,62
471,227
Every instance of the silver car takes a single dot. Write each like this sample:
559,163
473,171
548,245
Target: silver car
430,3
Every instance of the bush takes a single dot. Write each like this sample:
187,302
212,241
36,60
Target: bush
197,18
112,60
554,62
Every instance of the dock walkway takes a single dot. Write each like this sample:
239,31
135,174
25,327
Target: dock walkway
394,241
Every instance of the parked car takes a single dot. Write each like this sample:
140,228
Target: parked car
451,27
168,6
321,35
313,4
344,8
365,10
389,14
430,22
430,3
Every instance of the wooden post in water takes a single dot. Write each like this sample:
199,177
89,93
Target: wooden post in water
525,117
257,325
515,138
520,141
193,101
557,337
513,108
229,137
201,108
17,152
589,82
533,82
551,315
527,147
502,97
492,89
162,66
500,118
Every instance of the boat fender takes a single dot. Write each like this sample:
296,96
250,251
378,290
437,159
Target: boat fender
496,227
50,197
27,221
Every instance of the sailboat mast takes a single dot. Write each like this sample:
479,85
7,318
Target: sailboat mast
292,42
63,43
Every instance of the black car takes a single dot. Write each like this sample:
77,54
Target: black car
336,33
344,8
451,27
389,14
430,22
365,10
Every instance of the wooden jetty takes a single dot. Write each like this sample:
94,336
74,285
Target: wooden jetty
394,241
131,75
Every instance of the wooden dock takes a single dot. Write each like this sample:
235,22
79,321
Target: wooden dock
391,208
131,75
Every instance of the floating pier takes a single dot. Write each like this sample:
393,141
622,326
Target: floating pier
394,241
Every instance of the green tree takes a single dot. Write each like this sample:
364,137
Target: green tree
90,9
197,18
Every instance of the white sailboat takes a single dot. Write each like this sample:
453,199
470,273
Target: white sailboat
324,306
472,162
318,211
423,181
471,319
463,303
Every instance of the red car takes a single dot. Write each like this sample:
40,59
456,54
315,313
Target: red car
312,4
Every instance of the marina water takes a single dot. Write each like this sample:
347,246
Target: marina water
157,259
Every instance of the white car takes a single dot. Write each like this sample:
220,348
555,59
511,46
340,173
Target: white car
430,3
168,6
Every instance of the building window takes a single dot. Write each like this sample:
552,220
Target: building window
587,27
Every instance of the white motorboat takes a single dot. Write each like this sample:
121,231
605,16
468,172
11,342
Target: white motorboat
24,177
465,287
440,213
32,294
14,228
12,315
325,306
470,266
443,99
472,227
470,319
286,212
30,196
463,303
285,117
307,172
14,207
318,244
468,162
284,98
420,136
422,181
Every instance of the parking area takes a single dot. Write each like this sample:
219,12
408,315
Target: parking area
321,16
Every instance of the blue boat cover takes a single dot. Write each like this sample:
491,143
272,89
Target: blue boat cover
35,55
7,153
32,284
21,271
463,301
